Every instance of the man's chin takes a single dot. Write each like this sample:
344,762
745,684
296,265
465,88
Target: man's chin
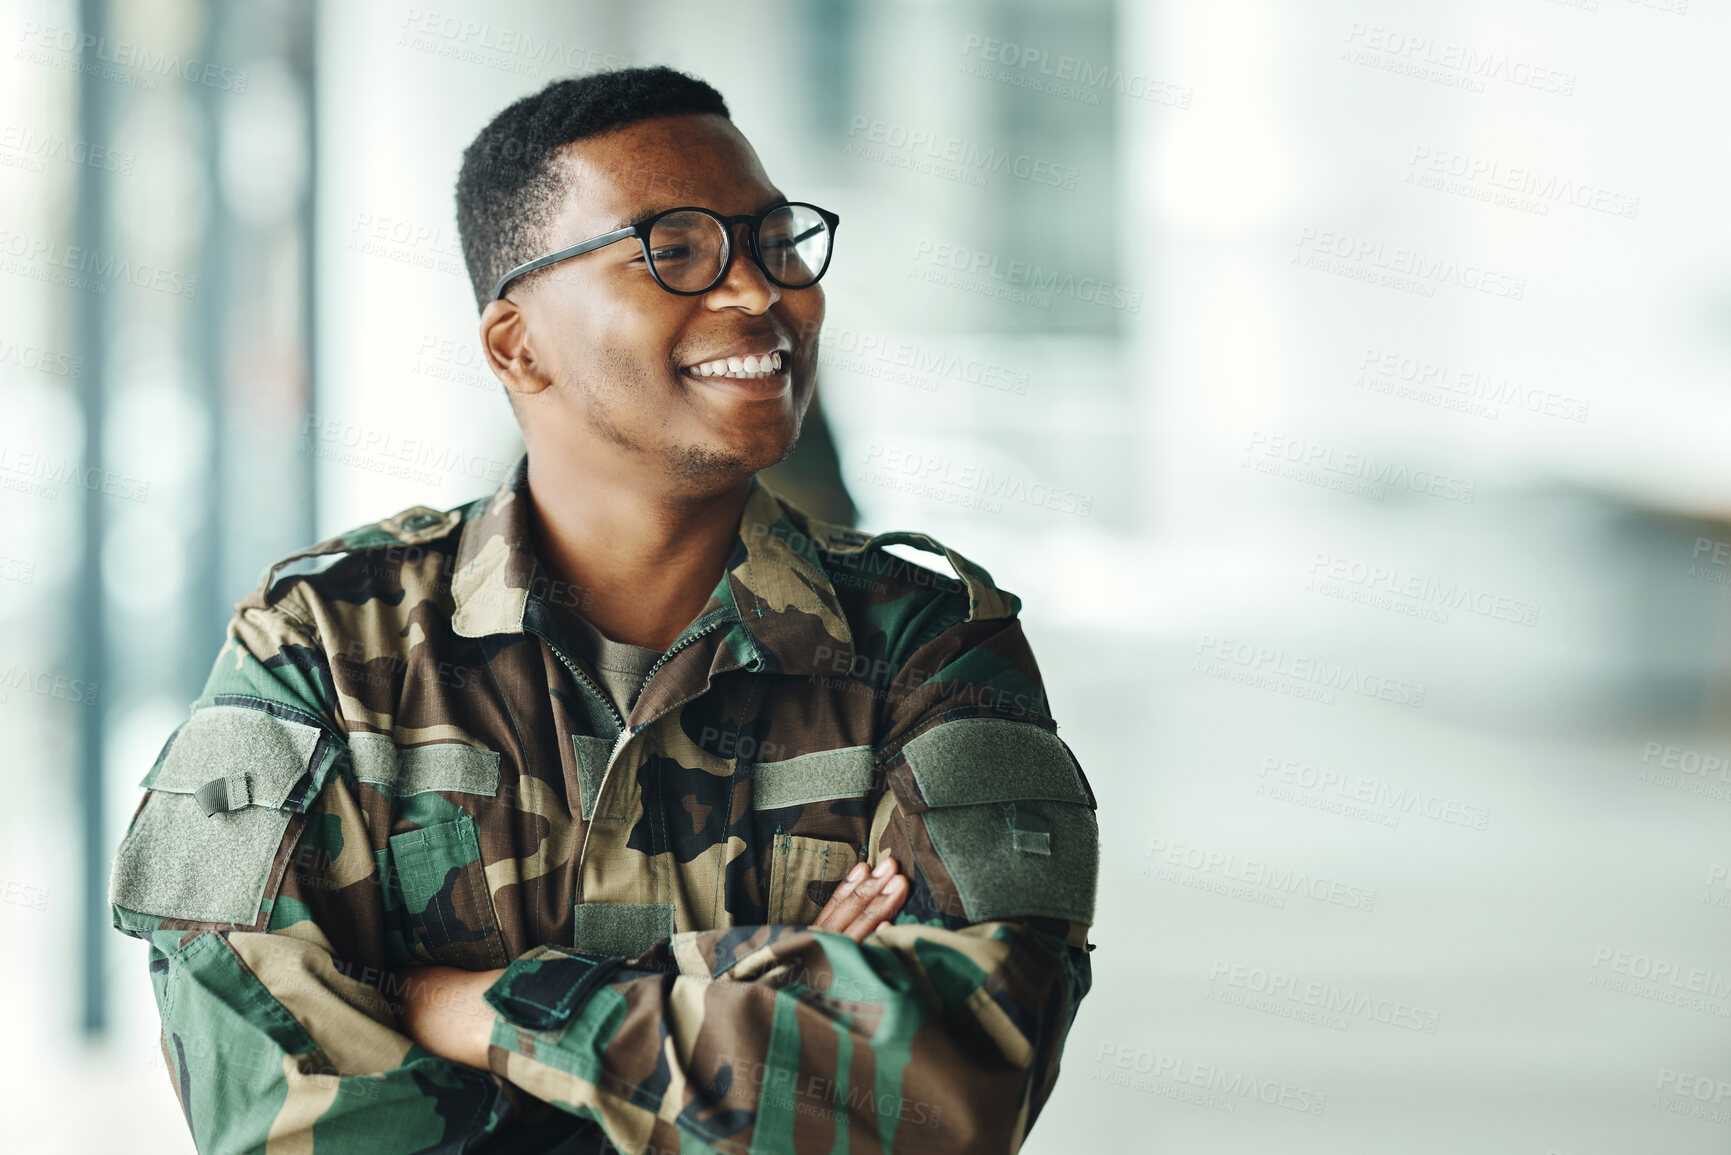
712,470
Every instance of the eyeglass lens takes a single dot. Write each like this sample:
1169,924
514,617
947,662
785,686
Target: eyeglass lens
687,247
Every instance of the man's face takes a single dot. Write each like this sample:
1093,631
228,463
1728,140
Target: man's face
620,351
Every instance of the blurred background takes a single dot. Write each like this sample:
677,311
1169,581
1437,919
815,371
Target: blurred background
1343,388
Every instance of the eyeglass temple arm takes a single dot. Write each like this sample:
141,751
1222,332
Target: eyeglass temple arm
576,250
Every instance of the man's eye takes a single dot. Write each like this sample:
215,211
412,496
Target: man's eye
671,253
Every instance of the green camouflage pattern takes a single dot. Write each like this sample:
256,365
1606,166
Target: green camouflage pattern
472,799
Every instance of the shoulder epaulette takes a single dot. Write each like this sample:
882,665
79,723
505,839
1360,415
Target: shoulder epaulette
415,525
985,600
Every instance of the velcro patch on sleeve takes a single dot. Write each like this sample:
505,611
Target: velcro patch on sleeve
1009,815
190,854
976,760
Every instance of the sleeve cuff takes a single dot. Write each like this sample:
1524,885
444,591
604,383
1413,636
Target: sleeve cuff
543,989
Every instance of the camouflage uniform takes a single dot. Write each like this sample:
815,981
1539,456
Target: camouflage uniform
400,758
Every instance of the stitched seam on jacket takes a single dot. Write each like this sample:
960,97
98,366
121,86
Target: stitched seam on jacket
486,915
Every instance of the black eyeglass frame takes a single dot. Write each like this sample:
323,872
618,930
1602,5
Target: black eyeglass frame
641,229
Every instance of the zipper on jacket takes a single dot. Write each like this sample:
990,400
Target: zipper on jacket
625,733
587,681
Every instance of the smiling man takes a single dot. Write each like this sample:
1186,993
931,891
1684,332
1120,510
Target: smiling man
628,807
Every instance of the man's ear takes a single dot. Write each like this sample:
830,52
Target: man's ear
505,341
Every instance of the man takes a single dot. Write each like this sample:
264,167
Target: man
628,807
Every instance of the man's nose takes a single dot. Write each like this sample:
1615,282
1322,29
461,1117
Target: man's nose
745,286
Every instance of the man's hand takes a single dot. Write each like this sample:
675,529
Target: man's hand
863,903
443,1011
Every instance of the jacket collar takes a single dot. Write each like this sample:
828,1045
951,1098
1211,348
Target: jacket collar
788,617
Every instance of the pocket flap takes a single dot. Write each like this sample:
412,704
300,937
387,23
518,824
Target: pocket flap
1010,816
977,760
233,756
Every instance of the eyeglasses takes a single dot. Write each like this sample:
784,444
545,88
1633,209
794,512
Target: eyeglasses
689,250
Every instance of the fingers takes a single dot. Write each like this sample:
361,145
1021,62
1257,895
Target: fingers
880,909
847,887
864,901
847,900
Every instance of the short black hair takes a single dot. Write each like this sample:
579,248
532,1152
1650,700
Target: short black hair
509,187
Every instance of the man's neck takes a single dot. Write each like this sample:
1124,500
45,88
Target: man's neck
643,561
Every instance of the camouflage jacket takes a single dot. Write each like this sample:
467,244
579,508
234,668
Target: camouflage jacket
399,759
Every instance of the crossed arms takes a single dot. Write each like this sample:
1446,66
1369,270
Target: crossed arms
283,1020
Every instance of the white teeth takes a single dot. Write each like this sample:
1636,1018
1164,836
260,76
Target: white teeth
751,365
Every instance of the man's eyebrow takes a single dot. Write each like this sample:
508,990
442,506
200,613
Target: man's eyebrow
657,208
653,210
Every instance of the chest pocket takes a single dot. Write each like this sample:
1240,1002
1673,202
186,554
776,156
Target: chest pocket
436,869
803,870
443,884
803,873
